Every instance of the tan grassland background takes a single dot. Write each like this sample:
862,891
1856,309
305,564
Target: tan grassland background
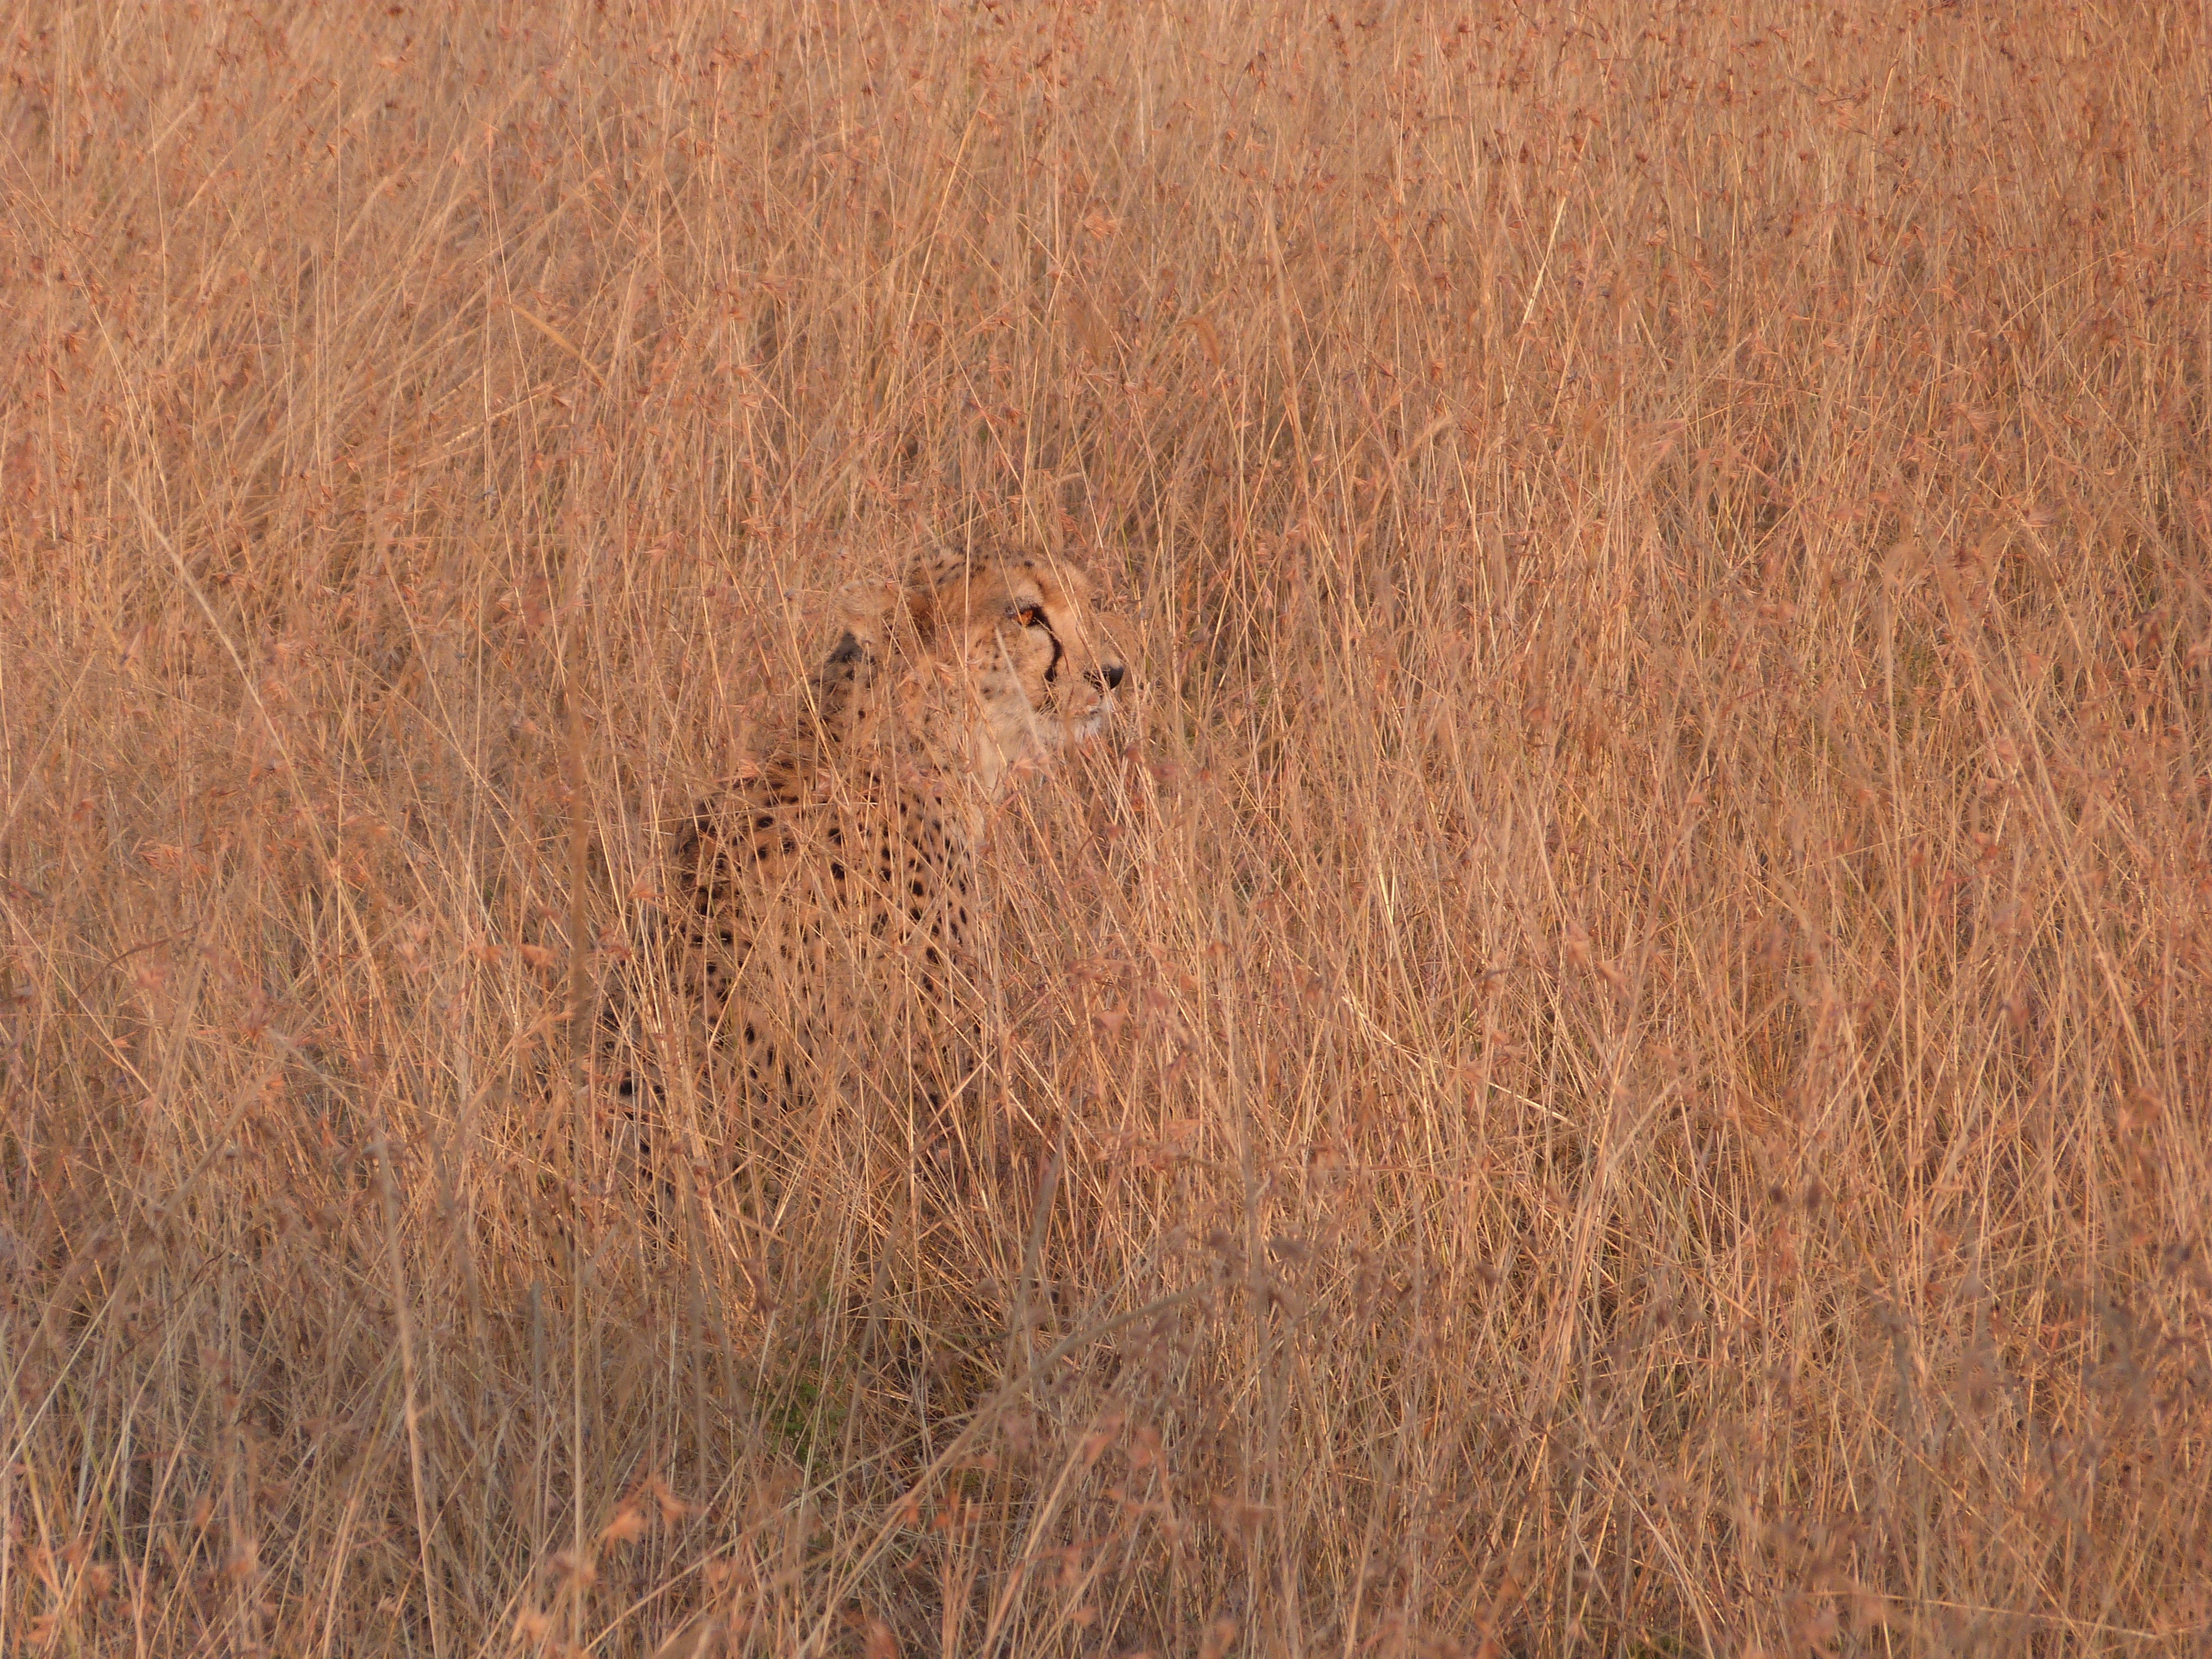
1612,1059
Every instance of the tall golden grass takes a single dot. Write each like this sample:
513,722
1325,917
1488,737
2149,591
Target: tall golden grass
1613,1061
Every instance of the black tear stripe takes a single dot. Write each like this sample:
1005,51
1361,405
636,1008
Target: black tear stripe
1051,668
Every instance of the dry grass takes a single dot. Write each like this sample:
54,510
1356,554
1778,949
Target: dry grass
1631,1024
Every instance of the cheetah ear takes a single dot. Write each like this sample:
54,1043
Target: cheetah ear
845,674
869,611
850,668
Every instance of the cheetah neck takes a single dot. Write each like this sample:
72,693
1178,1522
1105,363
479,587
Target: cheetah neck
927,726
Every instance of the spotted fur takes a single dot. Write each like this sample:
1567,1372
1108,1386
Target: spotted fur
831,897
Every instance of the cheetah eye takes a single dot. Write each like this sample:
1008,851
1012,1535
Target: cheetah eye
1029,615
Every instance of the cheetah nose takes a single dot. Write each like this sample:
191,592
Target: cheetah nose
1110,676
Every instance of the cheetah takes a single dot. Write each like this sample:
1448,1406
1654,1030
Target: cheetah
831,895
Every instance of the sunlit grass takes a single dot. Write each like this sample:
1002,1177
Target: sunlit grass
1624,1024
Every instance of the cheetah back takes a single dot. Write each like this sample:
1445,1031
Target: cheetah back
807,901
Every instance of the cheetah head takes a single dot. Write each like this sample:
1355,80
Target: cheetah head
994,660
